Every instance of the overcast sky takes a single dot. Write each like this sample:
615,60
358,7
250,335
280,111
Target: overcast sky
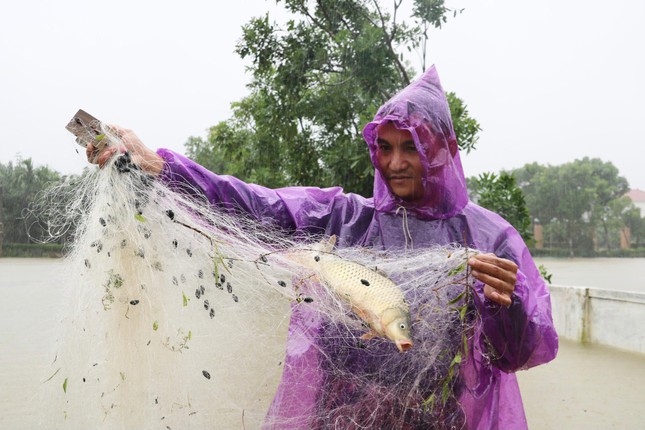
549,81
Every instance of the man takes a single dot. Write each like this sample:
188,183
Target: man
420,199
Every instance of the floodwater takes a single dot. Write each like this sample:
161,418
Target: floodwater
31,296
625,274
28,315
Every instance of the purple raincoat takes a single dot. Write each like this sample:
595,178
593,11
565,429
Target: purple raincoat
522,335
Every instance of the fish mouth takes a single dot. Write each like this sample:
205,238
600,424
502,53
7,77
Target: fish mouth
404,345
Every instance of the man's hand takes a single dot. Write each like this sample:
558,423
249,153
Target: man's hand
497,274
148,160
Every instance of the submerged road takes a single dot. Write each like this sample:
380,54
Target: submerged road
586,387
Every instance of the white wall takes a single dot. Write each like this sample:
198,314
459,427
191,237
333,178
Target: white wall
607,317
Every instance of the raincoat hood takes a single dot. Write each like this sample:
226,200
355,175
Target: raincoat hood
422,109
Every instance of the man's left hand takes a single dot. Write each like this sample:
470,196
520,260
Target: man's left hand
498,275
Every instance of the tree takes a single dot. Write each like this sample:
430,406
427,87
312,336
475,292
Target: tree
316,80
21,183
575,202
612,221
500,194
635,222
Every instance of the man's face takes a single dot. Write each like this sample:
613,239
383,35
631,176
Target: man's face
399,161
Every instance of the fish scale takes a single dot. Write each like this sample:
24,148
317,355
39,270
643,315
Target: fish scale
375,298
346,279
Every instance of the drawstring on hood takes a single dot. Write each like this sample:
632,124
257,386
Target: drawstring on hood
406,228
422,109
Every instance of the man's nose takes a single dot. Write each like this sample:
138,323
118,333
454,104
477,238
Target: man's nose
399,161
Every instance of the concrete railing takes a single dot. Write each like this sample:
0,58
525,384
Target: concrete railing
594,315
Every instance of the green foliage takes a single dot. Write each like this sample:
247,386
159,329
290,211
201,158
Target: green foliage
634,221
545,273
501,194
463,305
316,81
466,128
21,182
580,204
431,11
32,250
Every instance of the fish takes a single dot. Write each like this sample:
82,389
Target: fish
371,295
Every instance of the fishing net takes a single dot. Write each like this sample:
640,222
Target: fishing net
180,314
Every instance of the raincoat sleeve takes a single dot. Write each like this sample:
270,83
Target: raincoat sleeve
522,335
310,209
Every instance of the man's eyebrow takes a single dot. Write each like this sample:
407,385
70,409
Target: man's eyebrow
406,142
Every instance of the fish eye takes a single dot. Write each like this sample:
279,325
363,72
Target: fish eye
403,326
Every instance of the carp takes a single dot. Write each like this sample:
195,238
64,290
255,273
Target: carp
372,296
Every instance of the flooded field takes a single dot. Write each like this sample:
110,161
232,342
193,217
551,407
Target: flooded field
625,274
584,378
30,290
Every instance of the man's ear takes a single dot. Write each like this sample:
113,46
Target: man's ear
452,145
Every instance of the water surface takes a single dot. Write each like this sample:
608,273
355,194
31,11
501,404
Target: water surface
31,295
626,274
31,298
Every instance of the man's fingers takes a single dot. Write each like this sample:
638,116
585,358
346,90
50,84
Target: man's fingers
128,141
100,157
497,297
105,155
91,152
498,276
497,268
494,260
504,285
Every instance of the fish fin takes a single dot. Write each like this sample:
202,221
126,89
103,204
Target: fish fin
367,316
328,245
360,313
369,335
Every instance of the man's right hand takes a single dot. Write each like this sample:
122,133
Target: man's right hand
148,160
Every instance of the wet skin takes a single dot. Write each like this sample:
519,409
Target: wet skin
399,161
141,155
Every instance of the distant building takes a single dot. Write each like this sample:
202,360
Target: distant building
638,197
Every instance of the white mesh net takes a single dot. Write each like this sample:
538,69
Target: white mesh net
177,316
